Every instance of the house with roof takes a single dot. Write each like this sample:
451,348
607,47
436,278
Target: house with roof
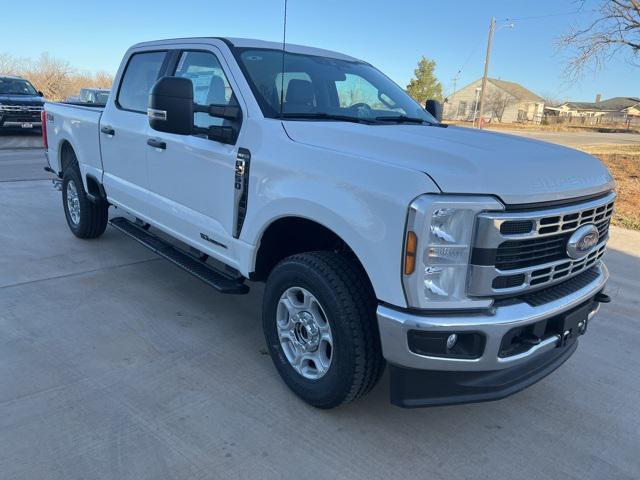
505,102
616,109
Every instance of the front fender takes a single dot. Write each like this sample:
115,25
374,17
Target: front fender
364,203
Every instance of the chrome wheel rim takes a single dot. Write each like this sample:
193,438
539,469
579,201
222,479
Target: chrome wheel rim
304,333
73,203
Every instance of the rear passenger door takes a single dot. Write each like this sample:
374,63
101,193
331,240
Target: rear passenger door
191,180
124,132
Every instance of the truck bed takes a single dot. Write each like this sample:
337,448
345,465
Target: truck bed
79,126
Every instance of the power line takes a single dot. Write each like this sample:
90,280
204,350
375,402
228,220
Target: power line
457,75
535,17
509,19
473,52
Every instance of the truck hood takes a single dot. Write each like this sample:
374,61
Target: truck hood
462,160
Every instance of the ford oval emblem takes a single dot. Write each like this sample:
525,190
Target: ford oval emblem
582,241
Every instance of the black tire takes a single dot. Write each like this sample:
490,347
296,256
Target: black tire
92,220
349,303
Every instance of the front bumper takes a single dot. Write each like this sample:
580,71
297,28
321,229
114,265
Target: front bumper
421,380
17,120
10,124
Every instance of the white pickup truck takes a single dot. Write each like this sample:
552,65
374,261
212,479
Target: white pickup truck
468,261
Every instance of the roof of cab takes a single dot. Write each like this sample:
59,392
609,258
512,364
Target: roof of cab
253,43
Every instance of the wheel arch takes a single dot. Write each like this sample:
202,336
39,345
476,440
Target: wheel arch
67,154
292,234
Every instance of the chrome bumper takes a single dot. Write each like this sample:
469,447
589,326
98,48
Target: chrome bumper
394,326
10,123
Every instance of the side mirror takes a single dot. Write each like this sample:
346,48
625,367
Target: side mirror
171,106
434,107
40,93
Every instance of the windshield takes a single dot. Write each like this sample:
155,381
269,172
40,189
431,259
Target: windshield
16,86
326,88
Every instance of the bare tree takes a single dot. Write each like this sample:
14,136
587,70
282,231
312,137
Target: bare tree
102,79
9,65
497,102
50,75
614,31
550,99
54,77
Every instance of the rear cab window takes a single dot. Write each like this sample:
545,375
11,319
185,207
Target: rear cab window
139,76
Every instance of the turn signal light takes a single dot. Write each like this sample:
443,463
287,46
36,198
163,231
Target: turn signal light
410,253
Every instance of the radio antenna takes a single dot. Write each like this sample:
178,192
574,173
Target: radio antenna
284,42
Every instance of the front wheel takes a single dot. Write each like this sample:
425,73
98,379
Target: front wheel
320,327
86,219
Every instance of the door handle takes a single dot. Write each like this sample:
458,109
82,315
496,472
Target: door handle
152,142
107,130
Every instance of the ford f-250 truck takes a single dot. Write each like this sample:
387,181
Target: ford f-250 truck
468,261
20,103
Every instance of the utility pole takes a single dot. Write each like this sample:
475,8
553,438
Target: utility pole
492,27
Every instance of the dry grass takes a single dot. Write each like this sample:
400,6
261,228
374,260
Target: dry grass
511,126
623,162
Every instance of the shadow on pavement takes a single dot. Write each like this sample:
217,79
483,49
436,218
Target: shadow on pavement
20,139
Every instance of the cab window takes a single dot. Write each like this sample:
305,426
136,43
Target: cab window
140,75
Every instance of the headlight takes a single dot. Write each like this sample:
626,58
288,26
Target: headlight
438,244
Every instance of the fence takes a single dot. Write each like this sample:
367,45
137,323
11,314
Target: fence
617,120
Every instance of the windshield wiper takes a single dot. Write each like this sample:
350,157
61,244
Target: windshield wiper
325,116
402,119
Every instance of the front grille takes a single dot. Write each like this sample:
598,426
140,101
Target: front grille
508,281
515,227
21,108
555,292
515,252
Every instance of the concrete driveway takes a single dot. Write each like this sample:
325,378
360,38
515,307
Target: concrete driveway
20,139
21,156
114,364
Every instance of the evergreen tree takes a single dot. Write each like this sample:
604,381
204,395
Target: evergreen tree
425,85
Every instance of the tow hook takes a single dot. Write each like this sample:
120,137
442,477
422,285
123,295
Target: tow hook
602,297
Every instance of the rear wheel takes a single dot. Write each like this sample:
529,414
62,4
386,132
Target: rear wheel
85,218
320,327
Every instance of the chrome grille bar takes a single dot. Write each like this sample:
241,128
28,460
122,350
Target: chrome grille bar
516,260
488,230
20,108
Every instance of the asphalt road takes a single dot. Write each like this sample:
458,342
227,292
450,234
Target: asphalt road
577,139
116,364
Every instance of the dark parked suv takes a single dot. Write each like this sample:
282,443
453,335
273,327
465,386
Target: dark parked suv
20,103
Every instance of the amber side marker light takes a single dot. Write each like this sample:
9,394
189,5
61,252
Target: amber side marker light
410,253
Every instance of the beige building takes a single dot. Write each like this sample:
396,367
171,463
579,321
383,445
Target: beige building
616,109
505,102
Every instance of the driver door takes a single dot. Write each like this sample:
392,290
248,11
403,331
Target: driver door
191,179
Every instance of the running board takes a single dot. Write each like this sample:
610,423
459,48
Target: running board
221,281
